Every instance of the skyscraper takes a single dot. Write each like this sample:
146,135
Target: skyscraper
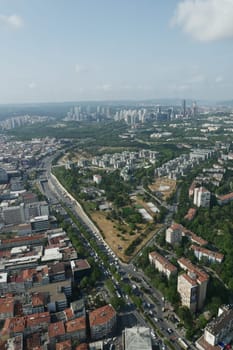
184,108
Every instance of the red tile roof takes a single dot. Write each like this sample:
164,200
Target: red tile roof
186,264
163,261
23,239
76,325
64,345
101,315
56,329
226,197
210,253
14,324
7,305
36,319
82,346
191,213
38,299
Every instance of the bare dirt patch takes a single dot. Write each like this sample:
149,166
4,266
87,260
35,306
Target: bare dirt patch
117,240
163,185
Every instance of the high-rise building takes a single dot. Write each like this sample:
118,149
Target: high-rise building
201,197
194,109
14,215
192,285
184,108
3,176
174,234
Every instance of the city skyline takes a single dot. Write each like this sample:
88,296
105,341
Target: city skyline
108,50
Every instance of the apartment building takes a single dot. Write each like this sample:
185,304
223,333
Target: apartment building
102,322
6,307
211,256
162,264
201,197
13,215
219,332
192,285
174,234
80,268
224,199
76,329
56,332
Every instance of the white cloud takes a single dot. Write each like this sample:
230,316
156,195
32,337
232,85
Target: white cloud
12,21
219,79
79,68
32,85
105,87
197,79
205,20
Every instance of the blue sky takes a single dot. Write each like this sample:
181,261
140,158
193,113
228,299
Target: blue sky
66,50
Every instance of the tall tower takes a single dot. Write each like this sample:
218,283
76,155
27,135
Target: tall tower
194,109
184,108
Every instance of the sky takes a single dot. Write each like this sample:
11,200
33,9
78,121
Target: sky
77,50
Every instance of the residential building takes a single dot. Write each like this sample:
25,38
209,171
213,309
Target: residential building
56,331
201,197
192,285
80,268
97,179
76,328
174,234
6,307
137,338
219,332
224,199
64,345
162,264
57,272
58,292
211,256
3,176
13,343
102,322
190,214
13,215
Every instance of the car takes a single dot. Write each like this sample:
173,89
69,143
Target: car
169,330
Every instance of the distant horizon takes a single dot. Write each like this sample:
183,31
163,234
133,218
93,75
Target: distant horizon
98,50
112,101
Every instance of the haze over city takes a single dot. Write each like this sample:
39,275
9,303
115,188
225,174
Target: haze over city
107,50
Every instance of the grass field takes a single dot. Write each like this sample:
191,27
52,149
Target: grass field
116,239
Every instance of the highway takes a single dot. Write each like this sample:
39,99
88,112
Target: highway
56,192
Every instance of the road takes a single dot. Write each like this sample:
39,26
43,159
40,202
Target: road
55,191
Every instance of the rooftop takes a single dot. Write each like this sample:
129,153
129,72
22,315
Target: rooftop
137,338
37,319
221,322
7,305
187,265
56,329
80,264
75,325
64,345
101,315
163,261
208,252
